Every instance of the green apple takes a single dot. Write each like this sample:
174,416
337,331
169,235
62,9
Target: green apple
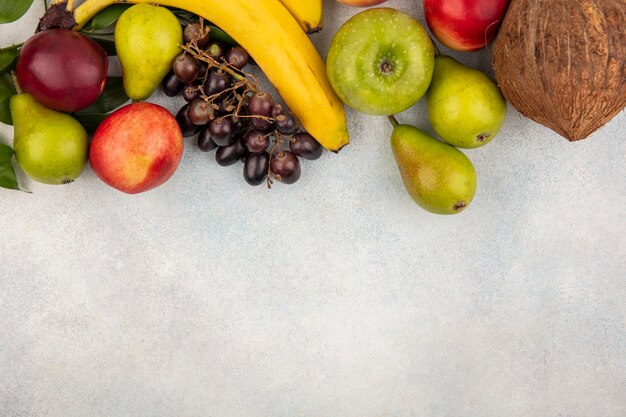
380,61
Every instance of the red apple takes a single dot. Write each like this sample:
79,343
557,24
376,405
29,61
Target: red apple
136,148
361,3
465,25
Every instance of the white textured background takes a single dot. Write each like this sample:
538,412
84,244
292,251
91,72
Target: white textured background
334,297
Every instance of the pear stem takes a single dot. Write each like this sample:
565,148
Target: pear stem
393,120
16,83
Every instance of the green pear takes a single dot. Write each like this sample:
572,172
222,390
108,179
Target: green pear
147,40
50,146
439,177
465,107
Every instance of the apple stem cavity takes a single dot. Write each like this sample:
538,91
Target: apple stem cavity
386,67
393,120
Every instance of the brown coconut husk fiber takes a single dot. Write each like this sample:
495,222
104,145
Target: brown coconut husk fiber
562,63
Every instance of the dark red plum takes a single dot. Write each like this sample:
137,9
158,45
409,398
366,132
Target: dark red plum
62,69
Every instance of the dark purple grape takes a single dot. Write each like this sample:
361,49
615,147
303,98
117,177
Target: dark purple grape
256,141
286,167
221,130
205,142
186,68
200,112
204,67
191,92
172,86
305,145
237,57
228,155
278,109
187,128
239,123
255,168
215,51
216,83
200,34
261,104
287,123
261,124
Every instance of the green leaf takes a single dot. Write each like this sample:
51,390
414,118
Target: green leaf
11,10
217,34
7,59
184,17
111,98
106,40
7,173
7,90
90,121
108,16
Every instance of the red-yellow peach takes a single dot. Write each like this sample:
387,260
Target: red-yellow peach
136,148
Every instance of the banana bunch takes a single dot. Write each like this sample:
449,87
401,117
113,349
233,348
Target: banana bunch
279,45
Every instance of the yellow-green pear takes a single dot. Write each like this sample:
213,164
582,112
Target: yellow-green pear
465,107
147,40
439,177
50,146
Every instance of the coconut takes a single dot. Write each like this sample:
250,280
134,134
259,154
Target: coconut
562,63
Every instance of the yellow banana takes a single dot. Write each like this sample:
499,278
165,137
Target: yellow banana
308,13
281,49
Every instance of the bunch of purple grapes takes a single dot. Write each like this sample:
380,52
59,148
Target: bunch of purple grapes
229,114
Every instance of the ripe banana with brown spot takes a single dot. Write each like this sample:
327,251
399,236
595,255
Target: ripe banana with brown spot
280,47
308,13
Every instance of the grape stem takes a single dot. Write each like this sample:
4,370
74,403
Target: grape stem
278,142
209,60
